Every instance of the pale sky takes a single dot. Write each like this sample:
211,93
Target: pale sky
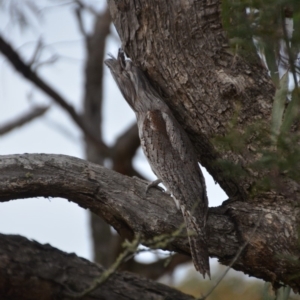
56,221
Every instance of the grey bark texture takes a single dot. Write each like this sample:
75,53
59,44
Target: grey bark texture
183,49
169,152
121,202
33,271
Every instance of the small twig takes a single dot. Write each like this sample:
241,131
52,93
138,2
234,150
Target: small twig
48,61
78,13
89,8
233,261
25,118
34,63
55,6
130,248
36,52
32,76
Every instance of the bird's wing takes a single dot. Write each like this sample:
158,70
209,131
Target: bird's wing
172,158
169,150
178,138
183,146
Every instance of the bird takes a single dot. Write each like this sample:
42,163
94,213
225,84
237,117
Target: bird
169,152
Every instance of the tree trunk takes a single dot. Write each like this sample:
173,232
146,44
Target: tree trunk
102,237
184,50
182,47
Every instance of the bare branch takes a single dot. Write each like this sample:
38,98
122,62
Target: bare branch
26,71
124,150
119,199
36,52
130,248
89,8
78,13
24,119
127,143
92,114
44,272
49,61
121,202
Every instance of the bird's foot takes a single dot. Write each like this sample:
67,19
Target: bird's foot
153,184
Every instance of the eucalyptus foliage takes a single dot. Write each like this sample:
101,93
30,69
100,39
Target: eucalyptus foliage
268,31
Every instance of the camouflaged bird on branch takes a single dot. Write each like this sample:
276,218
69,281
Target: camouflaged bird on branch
169,152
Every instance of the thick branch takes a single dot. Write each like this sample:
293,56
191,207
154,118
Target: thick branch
122,202
119,199
25,118
34,271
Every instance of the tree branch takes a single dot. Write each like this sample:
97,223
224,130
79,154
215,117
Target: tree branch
25,118
26,71
124,150
95,43
89,8
43,272
121,201
78,13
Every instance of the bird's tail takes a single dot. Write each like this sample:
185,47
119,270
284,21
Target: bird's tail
198,246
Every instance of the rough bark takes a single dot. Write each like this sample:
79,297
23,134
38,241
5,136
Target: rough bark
121,201
184,50
29,270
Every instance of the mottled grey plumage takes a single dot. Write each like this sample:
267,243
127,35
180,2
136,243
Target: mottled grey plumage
169,152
